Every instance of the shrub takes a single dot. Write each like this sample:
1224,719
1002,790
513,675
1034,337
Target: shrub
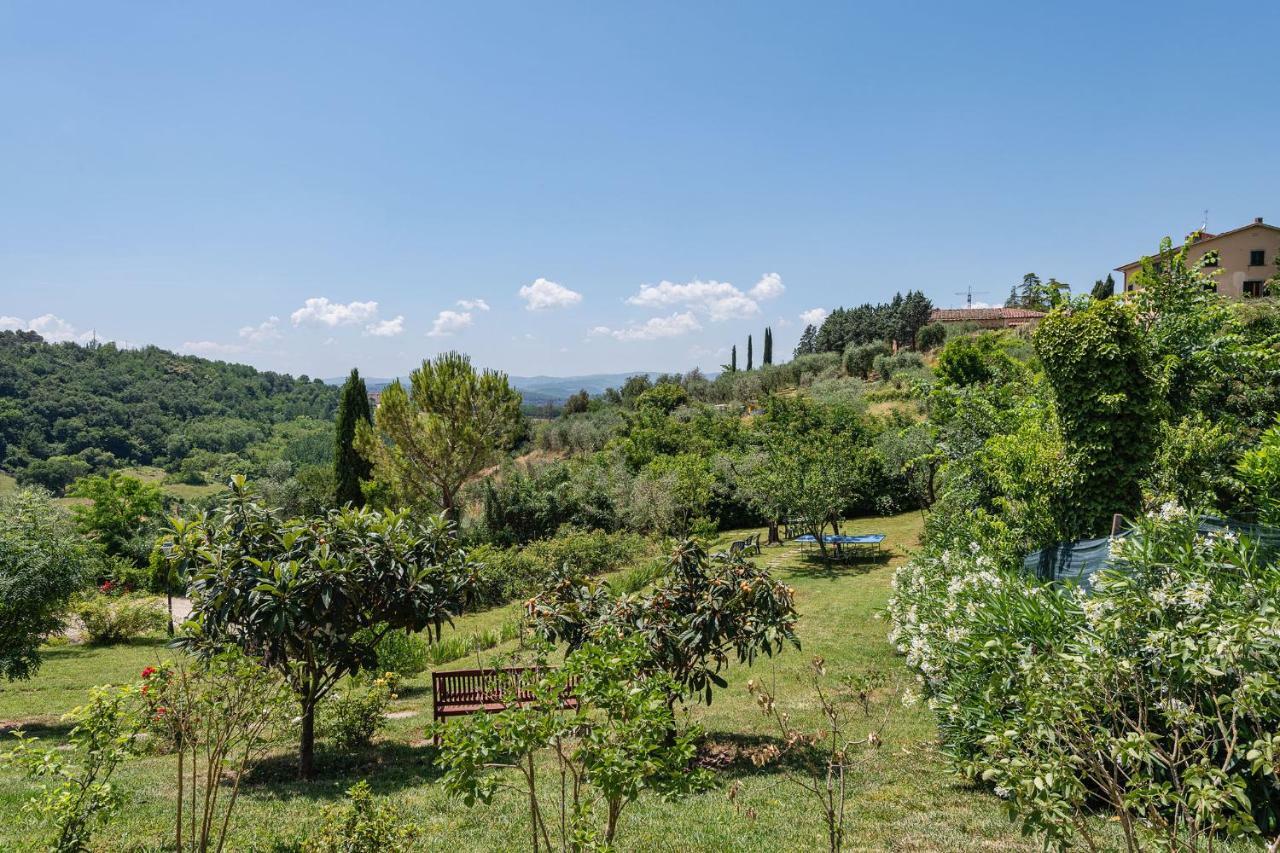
361,825
219,716
860,358
403,652
931,337
109,618
43,561
623,738
701,613
1259,468
969,360
350,721
887,366
77,795
1152,692
509,573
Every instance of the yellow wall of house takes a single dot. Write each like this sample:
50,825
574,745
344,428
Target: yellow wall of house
1234,251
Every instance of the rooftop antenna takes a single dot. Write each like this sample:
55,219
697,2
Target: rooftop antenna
1205,226
967,293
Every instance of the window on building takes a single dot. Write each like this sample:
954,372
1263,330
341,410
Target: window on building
1253,288
1257,258
1210,259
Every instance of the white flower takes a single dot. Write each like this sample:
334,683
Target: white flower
909,698
1002,792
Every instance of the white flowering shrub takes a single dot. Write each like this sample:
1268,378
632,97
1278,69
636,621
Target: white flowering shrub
1154,695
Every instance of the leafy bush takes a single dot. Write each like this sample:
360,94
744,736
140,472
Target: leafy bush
859,359
1260,470
76,795
931,337
622,739
350,721
887,366
1154,692
509,573
361,825
403,652
108,618
700,613
43,561
219,716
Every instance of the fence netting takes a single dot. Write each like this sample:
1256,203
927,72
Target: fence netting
1077,562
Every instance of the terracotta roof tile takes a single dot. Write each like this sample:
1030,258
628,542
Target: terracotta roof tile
961,314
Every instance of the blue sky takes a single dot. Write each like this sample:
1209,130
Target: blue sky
521,179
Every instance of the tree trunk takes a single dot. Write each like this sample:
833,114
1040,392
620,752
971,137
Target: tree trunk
774,538
448,503
307,746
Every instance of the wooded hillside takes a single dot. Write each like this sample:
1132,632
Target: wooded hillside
67,409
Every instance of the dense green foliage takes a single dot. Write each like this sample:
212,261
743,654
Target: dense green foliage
311,598
349,467
452,423
1153,693
43,562
1150,690
504,574
619,739
68,410
1099,369
120,513
896,321
701,612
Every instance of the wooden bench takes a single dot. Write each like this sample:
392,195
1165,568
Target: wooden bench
459,692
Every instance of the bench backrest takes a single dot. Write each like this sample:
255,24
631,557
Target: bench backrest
470,686
464,686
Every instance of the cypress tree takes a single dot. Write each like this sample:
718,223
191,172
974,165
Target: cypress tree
748,353
349,467
767,355
733,359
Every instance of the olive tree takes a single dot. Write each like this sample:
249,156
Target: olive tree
312,598
451,424
810,476
43,561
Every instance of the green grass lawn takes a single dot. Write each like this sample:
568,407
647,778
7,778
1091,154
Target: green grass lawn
180,491
903,800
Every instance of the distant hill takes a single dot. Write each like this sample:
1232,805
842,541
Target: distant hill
68,409
538,390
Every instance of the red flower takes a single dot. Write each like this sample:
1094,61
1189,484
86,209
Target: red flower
149,671
161,710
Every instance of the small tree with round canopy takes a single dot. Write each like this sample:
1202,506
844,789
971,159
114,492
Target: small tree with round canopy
312,598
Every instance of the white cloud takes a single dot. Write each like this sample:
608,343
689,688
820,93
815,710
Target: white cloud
269,330
318,310
473,304
7,322
449,322
653,328
769,286
211,348
54,328
719,300
814,316
386,328
544,294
